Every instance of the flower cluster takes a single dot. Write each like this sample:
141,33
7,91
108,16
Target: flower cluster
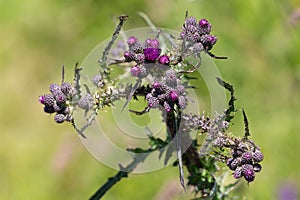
197,33
167,92
58,101
163,78
245,160
144,55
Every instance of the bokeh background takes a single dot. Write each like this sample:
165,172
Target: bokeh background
42,160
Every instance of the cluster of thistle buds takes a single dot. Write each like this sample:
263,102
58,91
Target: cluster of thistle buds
197,36
245,160
145,55
58,101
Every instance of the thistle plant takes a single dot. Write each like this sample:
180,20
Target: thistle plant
162,68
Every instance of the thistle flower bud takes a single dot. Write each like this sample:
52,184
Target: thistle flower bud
164,60
86,102
152,101
257,156
167,107
54,88
247,157
204,26
238,172
131,40
67,88
152,43
135,70
173,95
248,172
59,118
60,97
98,81
129,56
47,100
156,85
151,54
182,102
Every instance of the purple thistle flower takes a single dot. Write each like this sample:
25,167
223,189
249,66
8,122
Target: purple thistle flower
248,172
164,60
247,157
167,107
60,97
131,40
205,26
152,101
208,41
156,85
191,21
173,95
151,54
47,100
153,43
135,70
129,56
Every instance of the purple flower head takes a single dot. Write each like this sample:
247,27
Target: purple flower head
205,26
151,54
131,40
98,81
129,56
152,101
191,21
247,157
182,34
167,107
238,173
153,43
164,60
182,102
258,156
248,172
54,88
135,70
60,97
42,99
208,41
47,100
173,95
139,58
156,85
212,39
66,88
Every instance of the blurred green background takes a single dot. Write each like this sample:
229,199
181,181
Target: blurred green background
42,160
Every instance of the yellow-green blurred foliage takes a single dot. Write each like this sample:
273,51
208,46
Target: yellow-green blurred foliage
42,160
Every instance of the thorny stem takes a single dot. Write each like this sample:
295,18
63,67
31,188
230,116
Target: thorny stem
103,60
190,157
